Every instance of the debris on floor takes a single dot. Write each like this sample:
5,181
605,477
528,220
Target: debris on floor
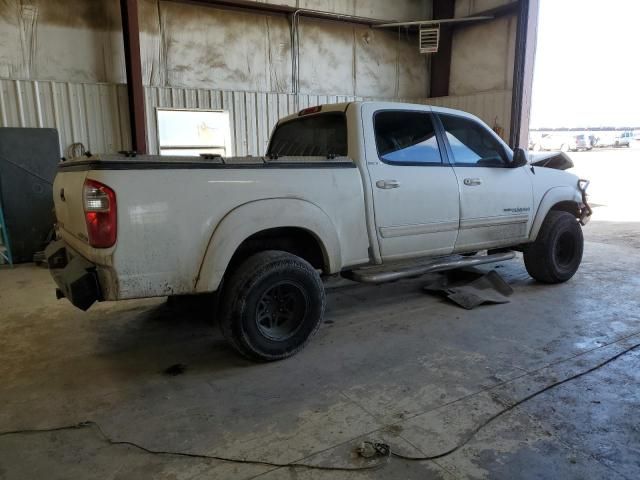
173,370
470,287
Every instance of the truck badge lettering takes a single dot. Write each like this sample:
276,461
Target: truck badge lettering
517,209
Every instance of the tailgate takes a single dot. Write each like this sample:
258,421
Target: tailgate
67,198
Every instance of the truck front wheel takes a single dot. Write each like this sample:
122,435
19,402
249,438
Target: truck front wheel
557,252
272,305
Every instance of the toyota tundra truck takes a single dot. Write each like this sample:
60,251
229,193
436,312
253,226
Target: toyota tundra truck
371,191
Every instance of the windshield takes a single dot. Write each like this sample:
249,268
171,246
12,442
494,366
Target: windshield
318,135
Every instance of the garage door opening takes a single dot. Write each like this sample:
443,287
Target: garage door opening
585,103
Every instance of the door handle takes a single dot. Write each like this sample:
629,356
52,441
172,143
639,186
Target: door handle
386,184
472,182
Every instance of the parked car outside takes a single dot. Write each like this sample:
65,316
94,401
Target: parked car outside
605,139
615,139
552,141
581,142
623,139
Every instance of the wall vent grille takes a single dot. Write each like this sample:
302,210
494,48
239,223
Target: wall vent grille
429,38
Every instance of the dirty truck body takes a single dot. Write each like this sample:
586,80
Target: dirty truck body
371,190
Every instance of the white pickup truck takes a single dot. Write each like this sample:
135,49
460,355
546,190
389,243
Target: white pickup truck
373,191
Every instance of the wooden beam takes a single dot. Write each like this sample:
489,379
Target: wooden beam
135,90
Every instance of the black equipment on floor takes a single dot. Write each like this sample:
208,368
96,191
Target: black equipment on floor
28,161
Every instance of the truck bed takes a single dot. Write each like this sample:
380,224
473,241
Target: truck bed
169,208
158,162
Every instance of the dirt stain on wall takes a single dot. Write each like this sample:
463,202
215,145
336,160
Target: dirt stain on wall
194,46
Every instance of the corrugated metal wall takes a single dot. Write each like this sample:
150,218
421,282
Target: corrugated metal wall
96,114
252,114
492,107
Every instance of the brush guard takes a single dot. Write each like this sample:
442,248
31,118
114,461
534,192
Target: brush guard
585,209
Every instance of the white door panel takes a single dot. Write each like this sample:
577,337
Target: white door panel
495,200
496,210
421,215
416,206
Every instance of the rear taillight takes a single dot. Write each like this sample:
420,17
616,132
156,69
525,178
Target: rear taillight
310,110
100,214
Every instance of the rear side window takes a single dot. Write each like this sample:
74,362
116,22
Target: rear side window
318,135
406,138
471,143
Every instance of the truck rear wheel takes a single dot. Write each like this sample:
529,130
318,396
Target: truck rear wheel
272,305
557,252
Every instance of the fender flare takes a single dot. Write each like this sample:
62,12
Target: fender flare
549,199
258,215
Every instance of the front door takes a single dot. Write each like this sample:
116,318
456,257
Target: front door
495,200
415,191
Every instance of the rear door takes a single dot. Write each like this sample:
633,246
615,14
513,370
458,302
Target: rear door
415,192
495,200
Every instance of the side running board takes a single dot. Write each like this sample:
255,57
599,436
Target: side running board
389,273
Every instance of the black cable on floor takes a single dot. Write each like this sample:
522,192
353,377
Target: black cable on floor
110,441
511,407
376,449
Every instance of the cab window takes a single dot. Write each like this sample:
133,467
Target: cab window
318,135
406,138
472,144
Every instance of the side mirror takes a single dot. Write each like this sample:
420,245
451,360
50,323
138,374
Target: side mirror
519,158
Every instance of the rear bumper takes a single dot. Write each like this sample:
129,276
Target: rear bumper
76,277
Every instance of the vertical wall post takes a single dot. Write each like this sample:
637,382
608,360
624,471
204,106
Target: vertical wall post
440,70
526,37
135,90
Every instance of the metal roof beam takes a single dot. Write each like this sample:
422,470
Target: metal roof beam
133,64
419,23
510,8
274,9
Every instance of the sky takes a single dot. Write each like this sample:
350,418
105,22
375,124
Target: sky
587,69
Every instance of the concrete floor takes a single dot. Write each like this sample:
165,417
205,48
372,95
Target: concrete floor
390,363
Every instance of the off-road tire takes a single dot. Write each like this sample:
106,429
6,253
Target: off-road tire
556,254
243,301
